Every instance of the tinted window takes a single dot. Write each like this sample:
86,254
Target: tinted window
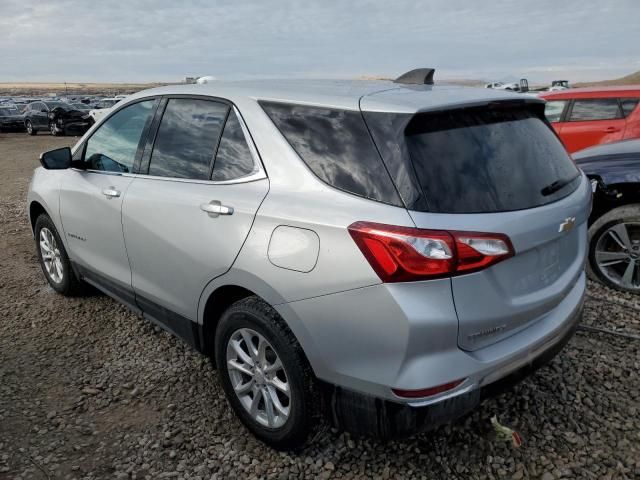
628,105
337,147
114,144
187,138
234,158
553,110
482,160
595,109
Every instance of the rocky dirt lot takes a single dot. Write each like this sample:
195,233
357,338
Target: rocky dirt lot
88,390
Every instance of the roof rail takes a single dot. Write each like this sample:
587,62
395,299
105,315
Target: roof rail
417,76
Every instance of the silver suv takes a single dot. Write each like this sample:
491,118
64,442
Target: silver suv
379,256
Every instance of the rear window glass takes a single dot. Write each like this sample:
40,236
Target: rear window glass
595,109
336,146
488,160
187,138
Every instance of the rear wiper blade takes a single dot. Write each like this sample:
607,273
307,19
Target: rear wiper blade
557,185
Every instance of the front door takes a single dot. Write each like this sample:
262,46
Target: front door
185,222
91,197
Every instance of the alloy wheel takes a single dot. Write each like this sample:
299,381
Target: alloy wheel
51,257
258,378
29,127
617,254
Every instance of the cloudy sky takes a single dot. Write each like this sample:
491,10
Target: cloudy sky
164,40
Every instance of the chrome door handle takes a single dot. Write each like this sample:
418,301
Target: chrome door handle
111,192
215,208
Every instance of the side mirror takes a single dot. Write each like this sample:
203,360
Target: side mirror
58,159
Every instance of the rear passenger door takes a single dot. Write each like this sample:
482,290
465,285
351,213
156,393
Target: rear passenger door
187,215
592,121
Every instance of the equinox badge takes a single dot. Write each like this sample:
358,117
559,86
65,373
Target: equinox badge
567,225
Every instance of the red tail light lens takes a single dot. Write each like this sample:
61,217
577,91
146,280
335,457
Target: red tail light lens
403,254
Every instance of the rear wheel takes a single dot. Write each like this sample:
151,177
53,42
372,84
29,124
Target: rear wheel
614,249
265,375
54,259
29,127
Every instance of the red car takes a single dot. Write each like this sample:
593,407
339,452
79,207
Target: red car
584,117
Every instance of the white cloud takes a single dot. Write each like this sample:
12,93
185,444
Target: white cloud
142,40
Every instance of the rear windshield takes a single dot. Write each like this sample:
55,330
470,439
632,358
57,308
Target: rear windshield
484,160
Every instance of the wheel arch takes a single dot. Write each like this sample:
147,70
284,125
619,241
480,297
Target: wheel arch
223,291
36,208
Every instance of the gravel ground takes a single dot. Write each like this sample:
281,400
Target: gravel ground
88,390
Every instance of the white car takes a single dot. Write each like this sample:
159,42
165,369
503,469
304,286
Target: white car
104,107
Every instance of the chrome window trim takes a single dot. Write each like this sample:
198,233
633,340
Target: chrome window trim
258,172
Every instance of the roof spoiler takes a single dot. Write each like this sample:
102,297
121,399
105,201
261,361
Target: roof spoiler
417,76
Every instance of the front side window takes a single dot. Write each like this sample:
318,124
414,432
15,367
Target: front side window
553,110
186,141
595,109
234,159
628,105
337,147
113,146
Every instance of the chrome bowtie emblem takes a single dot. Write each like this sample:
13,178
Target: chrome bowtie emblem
567,225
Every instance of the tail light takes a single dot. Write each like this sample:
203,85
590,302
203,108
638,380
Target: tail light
404,254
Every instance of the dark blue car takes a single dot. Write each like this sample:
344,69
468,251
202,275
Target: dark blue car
614,231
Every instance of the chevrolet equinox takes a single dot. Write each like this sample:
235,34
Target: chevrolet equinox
376,256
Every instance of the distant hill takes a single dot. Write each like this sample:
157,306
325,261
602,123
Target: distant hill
632,79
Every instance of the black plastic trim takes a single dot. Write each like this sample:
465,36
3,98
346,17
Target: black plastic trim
189,331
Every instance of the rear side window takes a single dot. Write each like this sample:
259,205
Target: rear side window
628,105
336,146
595,109
553,110
487,160
234,159
187,138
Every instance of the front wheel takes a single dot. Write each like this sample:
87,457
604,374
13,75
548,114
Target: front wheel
29,126
266,376
614,249
54,259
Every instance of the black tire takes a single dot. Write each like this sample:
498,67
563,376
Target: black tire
68,285
623,214
53,129
305,417
29,126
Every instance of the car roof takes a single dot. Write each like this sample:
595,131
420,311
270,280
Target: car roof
616,148
588,92
375,95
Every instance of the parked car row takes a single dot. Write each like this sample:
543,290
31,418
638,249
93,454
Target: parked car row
58,116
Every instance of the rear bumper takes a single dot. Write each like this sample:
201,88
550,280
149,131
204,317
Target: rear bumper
367,415
73,127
